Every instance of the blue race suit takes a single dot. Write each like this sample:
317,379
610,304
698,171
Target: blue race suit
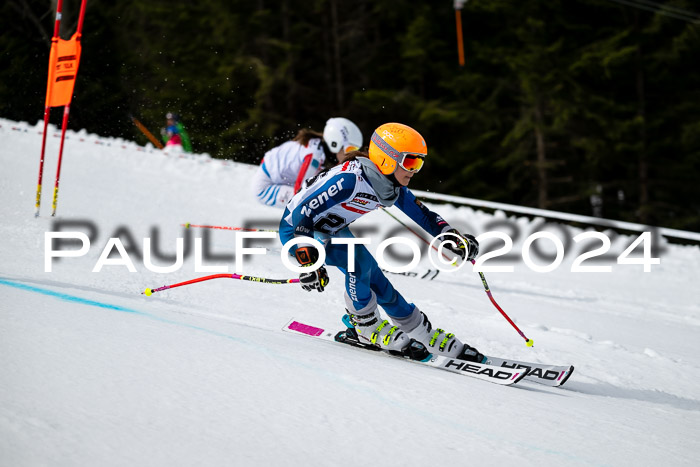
325,207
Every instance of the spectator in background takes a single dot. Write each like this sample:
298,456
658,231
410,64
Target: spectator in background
174,134
285,167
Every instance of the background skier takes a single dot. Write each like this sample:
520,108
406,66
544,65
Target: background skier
174,134
285,167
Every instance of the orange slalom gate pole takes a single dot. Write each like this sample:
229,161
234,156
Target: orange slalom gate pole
148,134
66,109
47,107
460,39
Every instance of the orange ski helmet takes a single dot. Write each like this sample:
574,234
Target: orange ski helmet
393,145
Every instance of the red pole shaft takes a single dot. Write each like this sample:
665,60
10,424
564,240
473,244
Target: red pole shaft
223,227
47,112
82,15
493,300
66,111
263,280
57,24
193,281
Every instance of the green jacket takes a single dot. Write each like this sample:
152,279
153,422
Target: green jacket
184,137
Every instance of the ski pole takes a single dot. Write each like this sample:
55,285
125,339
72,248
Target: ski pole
415,233
149,292
528,342
187,225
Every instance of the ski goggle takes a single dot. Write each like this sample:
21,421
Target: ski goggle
412,162
351,148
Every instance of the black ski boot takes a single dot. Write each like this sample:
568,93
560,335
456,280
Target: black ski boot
470,354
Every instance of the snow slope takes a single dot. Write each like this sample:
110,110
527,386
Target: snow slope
95,373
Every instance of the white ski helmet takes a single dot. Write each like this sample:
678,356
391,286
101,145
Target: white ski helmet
341,133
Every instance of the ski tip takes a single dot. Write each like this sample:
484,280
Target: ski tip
569,372
521,376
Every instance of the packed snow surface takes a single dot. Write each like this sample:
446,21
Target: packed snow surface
93,372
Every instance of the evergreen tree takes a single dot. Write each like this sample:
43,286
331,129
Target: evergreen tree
558,101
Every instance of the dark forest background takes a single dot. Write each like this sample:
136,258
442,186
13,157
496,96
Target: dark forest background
584,106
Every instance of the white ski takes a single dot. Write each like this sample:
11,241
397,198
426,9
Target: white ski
549,375
494,374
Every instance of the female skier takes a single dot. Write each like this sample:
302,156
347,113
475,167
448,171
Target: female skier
328,203
284,168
